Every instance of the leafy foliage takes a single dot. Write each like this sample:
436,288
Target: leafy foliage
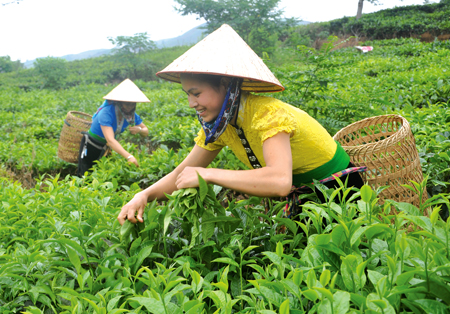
139,43
68,254
399,22
259,23
7,65
109,69
53,71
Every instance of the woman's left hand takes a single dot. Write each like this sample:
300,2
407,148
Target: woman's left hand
188,178
135,129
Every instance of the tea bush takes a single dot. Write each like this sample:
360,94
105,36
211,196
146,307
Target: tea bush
63,251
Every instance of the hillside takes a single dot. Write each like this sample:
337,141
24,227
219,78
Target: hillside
190,37
426,22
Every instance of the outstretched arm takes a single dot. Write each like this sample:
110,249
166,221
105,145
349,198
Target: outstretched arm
108,132
273,180
198,157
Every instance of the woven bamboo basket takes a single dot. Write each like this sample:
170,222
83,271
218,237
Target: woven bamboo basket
386,146
70,139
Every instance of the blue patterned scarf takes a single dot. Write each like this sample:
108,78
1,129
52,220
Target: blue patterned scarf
230,105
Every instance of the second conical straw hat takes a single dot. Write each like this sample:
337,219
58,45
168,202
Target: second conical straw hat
224,52
127,91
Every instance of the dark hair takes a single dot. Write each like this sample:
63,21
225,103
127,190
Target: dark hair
211,79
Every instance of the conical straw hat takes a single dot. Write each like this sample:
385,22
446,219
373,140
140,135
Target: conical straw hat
127,91
224,52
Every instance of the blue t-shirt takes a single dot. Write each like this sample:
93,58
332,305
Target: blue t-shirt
106,116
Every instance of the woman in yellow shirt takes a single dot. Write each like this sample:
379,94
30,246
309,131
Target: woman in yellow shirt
282,145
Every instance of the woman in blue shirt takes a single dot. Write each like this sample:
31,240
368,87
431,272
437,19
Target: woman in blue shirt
112,118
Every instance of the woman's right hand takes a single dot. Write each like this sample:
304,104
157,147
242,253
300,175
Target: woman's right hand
133,161
137,204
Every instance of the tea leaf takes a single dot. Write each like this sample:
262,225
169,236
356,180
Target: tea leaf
93,304
279,249
431,306
323,239
274,258
272,296
142,255
341,303
325,277
226,260
126,228
377,230
373,302
325,292
152,305
366,193
338,235
284,307
292,287
391,264
380,303
289,223
311,279
113,302
203,187
435,215
222,286
311,294
74,259
248,249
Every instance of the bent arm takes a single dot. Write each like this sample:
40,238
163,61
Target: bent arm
108,132
273,180
140,129
144,129
198,157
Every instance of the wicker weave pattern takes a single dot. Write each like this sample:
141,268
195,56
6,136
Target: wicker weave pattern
70,139
386,145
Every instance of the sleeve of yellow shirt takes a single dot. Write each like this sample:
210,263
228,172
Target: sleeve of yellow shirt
200,141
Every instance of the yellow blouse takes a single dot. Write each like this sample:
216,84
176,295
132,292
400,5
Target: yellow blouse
263,117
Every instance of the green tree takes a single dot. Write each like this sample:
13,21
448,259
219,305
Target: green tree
131,53
138,43
258,22
6,65
360,6
53,71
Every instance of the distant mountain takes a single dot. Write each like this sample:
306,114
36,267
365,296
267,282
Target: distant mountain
189,38
78,56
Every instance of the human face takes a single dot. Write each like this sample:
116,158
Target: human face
127,107
204,98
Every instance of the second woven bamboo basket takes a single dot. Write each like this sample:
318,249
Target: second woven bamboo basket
386,146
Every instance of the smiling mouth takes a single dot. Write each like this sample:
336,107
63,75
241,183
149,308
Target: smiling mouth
200,111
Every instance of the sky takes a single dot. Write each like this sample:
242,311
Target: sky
31,29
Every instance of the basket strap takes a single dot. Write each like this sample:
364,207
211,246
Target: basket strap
251,156
88,140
